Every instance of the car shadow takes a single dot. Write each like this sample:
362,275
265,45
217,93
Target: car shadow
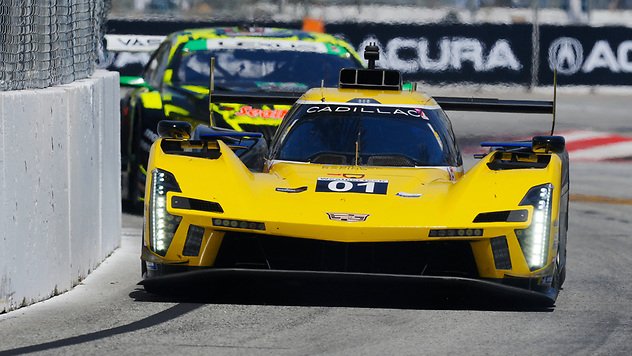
357,294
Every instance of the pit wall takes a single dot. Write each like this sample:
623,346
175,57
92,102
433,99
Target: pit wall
60,210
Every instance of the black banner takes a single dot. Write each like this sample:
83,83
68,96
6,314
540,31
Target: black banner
586,55
450,53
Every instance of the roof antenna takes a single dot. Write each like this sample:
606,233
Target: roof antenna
554,99
211,87
322,93
372,54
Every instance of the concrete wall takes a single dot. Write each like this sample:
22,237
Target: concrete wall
60,212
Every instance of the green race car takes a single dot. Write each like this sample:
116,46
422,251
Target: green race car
175,84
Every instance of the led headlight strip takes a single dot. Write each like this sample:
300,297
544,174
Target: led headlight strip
534,241
162,225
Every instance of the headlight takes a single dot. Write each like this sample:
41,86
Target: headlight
534,241
162,225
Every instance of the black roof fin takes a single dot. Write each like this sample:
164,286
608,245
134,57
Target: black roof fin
372,54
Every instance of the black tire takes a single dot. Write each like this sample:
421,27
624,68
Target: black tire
562,276
143,269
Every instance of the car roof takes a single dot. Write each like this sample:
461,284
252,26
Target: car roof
255,32
264,33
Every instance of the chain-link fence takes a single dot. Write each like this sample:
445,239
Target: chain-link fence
48,42
480,10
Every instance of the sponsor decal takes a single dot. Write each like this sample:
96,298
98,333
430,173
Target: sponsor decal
291,190
350,185
347,217
133,43
264,113
547,280
566,54
266,44
453,53
408,195
381,110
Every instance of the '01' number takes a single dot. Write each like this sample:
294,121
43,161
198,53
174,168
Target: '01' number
351,186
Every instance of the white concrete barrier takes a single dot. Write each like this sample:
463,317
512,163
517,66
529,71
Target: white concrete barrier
60,197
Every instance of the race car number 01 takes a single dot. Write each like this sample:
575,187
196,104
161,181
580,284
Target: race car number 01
349,185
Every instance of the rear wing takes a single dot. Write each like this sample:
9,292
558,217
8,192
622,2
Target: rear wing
446,102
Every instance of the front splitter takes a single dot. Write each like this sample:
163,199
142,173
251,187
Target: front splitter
499,291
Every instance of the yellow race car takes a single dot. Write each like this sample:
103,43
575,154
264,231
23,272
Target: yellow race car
364,178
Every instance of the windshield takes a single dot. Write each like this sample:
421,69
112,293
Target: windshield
252,69
374,135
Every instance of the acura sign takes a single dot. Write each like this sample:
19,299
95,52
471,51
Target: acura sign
448,53
451,54
586,56
566,54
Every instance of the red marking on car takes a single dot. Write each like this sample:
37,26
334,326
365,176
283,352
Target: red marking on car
264,113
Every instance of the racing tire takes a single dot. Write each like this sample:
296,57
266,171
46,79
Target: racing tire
562,276
148,287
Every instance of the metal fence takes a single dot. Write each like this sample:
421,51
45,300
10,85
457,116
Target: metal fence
49,42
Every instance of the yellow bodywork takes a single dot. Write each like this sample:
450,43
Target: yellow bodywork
418,199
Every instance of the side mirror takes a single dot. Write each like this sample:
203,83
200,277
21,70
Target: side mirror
553,144
180,130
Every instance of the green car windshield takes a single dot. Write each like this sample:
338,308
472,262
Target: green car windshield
254,69
374,135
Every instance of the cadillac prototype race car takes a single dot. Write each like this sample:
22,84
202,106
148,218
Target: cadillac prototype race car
176,80
360,179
